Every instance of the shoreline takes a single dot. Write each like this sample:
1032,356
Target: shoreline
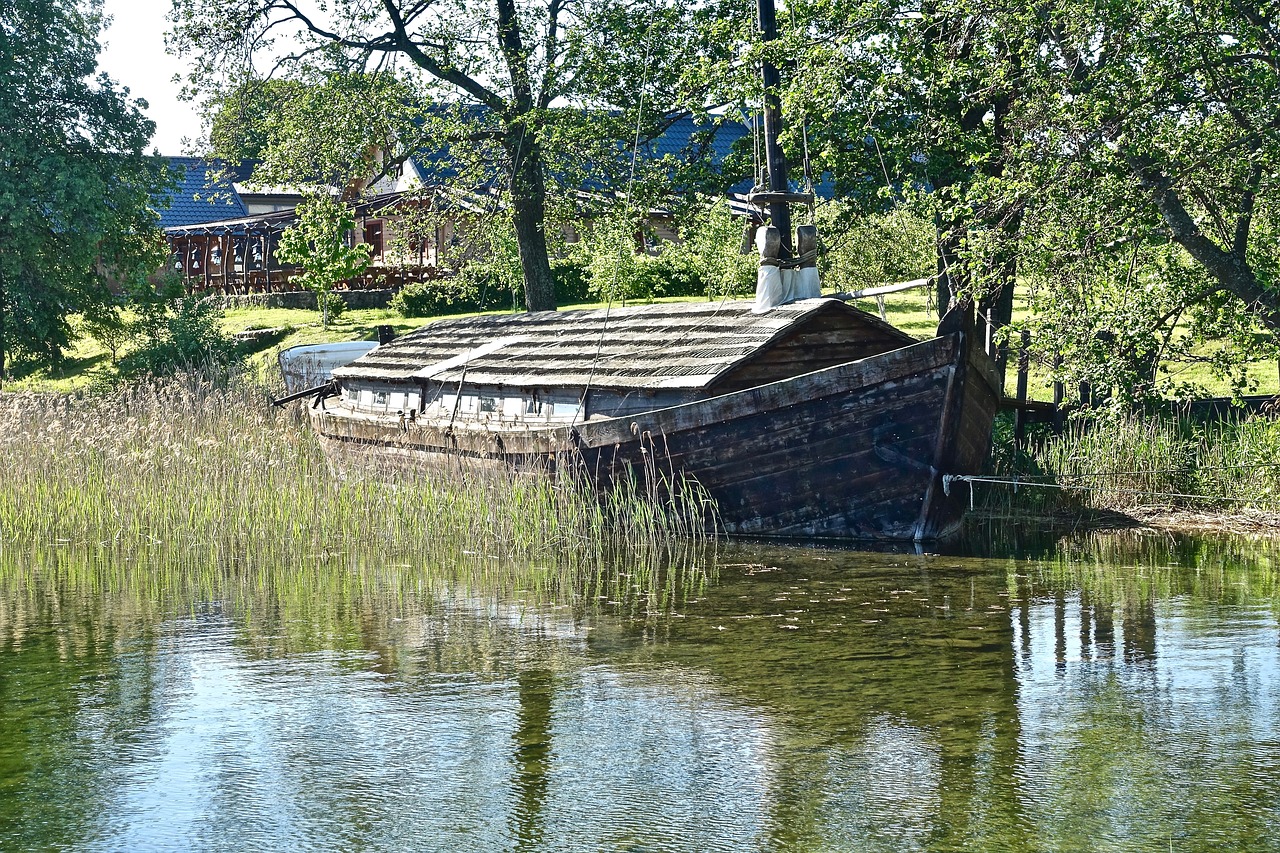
1157,519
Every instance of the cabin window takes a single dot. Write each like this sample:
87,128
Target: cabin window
532,405
351,393
380,398
488,404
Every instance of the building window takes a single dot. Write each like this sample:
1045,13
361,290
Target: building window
488,404
373,236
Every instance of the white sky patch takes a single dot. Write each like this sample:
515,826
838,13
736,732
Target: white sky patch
133,55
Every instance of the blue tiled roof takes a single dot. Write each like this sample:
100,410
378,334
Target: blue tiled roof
686,139
197,198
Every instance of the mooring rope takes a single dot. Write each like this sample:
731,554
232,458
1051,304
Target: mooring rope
948,479
1253,467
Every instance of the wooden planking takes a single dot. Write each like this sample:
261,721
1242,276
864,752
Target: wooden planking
824,454
898,366
682,345
824,340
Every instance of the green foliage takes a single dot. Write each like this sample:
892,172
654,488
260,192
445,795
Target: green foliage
864,250
615,269
1133,459
573,283
187,339
619,65
318,242
331,305
75,186
246,118
709,258
171,461
344,129
428,298
706,261
109,327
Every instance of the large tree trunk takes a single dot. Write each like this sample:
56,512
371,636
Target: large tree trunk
528,211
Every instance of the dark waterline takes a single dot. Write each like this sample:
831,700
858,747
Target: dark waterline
1119,692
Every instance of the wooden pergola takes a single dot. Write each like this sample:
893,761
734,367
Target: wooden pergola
238,256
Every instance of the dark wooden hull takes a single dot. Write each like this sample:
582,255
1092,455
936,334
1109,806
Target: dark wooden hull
857,451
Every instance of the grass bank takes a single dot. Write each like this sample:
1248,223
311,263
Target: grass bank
219,473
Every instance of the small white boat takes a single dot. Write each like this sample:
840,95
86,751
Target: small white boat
308,365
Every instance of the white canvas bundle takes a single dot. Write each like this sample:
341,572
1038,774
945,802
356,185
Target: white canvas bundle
771,288
775,285
805,284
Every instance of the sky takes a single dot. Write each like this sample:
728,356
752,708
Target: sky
134,56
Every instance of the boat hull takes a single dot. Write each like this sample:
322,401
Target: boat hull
855,451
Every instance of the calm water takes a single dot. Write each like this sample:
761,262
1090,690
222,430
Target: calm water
1115,693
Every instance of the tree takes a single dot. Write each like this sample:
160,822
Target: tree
241,119
502,63
1119,156
75,186
318,242
911,104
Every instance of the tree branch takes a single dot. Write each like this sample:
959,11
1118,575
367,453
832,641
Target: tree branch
1230,268
427,63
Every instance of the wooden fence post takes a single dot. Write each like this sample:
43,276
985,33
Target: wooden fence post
1024,367
1057,393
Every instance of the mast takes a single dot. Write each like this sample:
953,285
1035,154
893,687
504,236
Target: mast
788,264
775,158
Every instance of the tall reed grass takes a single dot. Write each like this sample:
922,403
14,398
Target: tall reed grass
1134,460
218,473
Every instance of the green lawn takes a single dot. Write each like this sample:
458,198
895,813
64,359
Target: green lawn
88,362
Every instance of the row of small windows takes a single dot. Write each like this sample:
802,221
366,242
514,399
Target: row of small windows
483,404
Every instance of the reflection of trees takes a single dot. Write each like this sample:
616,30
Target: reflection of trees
899,716
1143,751
75,686
532,742
949,704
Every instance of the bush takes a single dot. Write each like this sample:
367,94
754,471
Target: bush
331,304
432,298
572,281
188,338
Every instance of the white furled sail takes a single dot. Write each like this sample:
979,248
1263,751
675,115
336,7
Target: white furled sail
771,288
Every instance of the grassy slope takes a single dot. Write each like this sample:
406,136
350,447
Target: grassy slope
88,360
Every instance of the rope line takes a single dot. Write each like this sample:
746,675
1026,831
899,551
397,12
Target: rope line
948,479
1258,466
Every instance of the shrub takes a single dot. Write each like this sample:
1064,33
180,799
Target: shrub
572,281
331,304
432,298
188,338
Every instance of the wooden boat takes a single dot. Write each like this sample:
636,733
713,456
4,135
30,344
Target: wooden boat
813,419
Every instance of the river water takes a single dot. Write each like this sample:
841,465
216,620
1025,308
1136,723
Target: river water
1108,692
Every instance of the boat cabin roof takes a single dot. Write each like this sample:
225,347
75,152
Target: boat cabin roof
673,345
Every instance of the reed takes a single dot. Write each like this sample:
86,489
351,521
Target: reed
100,595
217,472
1136,460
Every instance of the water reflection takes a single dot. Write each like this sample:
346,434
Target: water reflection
1114,694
